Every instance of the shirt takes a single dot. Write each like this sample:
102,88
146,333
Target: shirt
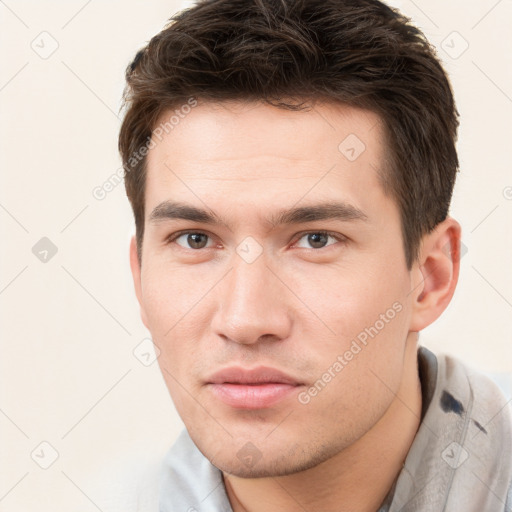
460,458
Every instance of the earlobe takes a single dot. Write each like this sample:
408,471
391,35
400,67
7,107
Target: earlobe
136,274
436,272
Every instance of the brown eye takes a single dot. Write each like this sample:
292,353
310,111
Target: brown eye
197,240
192,240
316,240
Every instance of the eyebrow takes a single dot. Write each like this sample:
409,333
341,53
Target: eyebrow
169,210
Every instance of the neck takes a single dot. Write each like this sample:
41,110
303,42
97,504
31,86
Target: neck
356,479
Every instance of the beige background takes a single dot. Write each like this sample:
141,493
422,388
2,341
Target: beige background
70,325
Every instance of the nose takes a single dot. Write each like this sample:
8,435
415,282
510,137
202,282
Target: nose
253,304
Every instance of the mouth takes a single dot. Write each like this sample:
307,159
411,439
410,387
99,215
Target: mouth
255,388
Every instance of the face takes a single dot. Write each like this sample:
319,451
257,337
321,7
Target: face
274,281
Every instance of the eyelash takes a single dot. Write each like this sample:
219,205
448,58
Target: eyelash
340,238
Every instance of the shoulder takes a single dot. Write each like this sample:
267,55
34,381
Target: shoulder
128,484
482,430
482,395
189,481
461,457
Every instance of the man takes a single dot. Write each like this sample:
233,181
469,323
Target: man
290,166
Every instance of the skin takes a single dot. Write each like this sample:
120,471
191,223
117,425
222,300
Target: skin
296,307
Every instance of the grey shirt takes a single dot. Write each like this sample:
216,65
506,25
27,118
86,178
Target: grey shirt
460,459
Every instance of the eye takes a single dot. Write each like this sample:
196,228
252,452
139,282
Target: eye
197,240
318,239
190,239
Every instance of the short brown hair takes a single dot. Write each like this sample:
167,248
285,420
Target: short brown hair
356,52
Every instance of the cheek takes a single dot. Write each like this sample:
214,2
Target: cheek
169,295
349,301
357,373
368,315
172,304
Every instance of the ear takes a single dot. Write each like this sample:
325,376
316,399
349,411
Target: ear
136,274
435,273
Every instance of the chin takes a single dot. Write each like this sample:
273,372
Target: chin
249,462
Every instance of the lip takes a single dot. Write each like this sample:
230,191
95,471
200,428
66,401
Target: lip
252,388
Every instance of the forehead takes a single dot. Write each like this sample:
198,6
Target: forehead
238,153
234,129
